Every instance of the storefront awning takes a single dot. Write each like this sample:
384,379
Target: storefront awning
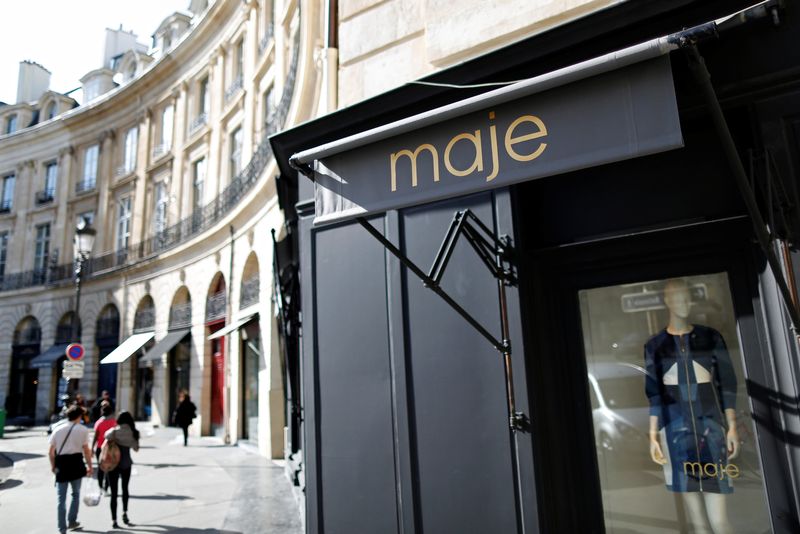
49,357
162,347
128,347
614,107
234,326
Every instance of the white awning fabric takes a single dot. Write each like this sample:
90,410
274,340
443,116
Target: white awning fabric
233,326
128,347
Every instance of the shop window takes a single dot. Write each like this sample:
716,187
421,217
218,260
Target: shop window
673,430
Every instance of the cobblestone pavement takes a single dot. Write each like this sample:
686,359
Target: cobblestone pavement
205,487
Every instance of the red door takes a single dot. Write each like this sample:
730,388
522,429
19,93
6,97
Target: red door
217,381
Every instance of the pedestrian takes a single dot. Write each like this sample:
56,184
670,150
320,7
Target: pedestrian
96,411
184,413
126,437
103,425
69,447
80,401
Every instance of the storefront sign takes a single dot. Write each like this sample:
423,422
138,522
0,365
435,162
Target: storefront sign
617,115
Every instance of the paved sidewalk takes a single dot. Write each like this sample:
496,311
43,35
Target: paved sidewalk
204,488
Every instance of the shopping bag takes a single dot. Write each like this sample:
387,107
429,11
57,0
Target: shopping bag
93,494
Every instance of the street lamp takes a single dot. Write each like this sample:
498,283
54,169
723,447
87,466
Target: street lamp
82,247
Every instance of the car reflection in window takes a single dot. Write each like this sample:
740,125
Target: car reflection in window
620,411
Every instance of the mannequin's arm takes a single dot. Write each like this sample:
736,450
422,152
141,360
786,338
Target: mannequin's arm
655,445
733,434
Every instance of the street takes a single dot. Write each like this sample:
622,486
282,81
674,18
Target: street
205,487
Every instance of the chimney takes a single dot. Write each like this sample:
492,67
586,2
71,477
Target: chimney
32,82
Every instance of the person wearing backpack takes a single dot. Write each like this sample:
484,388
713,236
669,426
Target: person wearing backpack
126,437
69,447
103,425
184,414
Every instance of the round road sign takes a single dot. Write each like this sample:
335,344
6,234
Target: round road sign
75,352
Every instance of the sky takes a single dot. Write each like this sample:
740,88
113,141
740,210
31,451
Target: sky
67,36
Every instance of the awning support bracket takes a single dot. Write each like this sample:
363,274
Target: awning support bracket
703,78
496,253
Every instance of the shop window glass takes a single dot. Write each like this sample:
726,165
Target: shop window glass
672,422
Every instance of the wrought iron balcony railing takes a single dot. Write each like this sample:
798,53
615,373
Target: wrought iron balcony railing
216,306
268,34
45,196
124,170
144,320
197,222
85,185
5,206
180,315
198,123
234,88
250,292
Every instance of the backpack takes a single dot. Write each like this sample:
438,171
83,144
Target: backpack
109,456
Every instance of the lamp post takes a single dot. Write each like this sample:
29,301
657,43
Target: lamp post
82,247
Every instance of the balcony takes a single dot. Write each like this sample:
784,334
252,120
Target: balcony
43,197
180,315
5,206
85,185
250,292
198,123
123,170
215,306
234,88
160,150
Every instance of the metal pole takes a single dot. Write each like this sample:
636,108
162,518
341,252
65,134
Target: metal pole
75,316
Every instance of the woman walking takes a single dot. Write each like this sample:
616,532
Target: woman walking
184,413
126,437
103,425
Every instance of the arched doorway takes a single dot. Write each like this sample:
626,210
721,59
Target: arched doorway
216,309
179,357
106,338
21,398
144,320
250,350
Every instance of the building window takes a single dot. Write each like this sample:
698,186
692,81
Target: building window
236,152
269,104
123,223
90,157
166,127
42,251
11,124
131,143
160,208
198,184
51,110
7,201
50,176
203,97
239,59
3,253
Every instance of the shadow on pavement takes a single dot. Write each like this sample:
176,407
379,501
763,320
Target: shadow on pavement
163,529
19,456
162,466
162,497
10,483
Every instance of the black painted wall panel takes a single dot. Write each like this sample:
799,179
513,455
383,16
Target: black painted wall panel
354,416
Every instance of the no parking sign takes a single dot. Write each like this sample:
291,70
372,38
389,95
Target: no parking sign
75,352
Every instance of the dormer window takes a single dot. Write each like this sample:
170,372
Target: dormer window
11,124
51,111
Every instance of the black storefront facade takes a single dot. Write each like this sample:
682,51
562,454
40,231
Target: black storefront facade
641,301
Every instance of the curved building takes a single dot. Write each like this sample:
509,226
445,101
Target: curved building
167,158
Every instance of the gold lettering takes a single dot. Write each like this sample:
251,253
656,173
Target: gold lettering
477,163
412,156
697,468
511,140
732,470
495,159
714,471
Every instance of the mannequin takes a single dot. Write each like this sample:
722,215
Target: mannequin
691,385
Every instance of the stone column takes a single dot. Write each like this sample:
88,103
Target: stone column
138,204
176,187
216,80
63,191
105,174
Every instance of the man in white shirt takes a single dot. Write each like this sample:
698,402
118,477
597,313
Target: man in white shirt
70,437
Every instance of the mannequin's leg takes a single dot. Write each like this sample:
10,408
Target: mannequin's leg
717,510
696,513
